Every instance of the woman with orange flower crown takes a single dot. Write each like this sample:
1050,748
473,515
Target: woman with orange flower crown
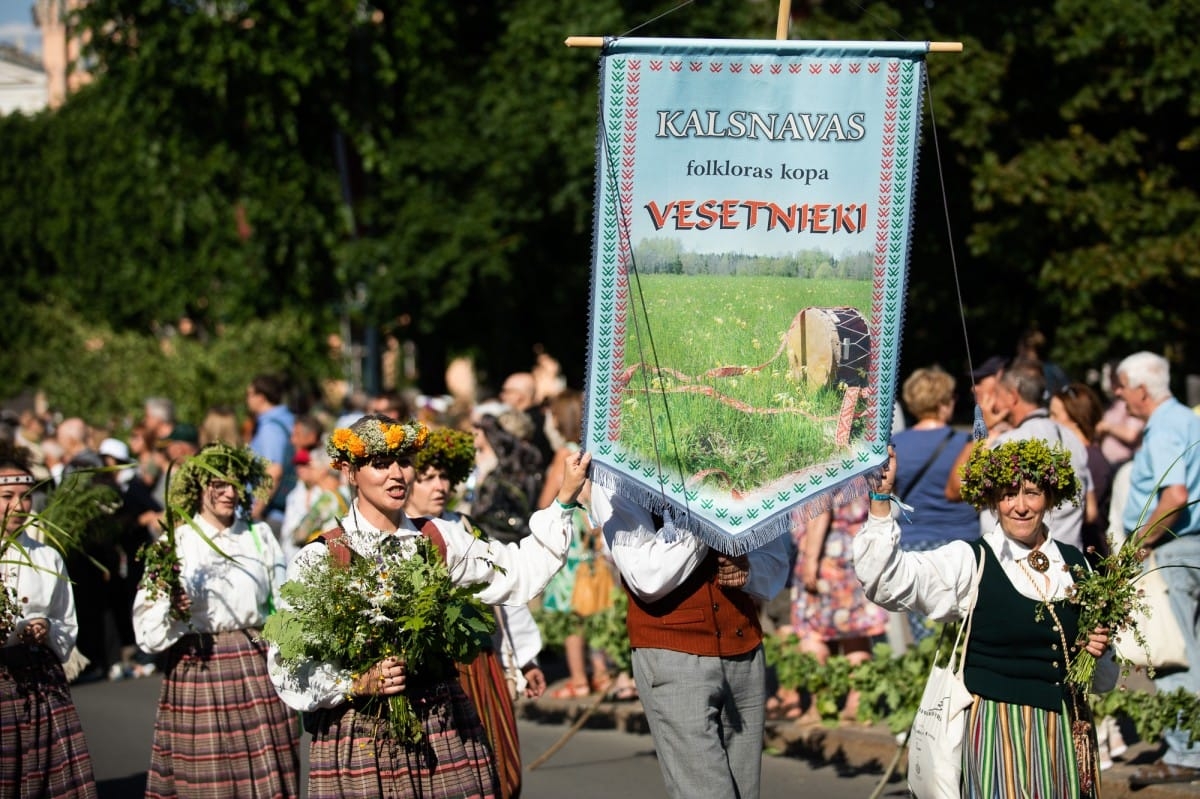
353,754
1027,730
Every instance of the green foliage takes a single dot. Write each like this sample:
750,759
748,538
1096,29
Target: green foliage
198,175
399,602
103,375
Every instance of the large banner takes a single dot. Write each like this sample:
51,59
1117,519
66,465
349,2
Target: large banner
753,212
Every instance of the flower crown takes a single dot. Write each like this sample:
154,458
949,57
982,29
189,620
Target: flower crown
991,471
359,444
453,451
238,466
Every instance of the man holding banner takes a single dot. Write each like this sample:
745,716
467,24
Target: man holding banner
697,646
753,211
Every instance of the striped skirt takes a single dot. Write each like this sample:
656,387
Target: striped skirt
42,748
485,685
1019,751
353,758
221,730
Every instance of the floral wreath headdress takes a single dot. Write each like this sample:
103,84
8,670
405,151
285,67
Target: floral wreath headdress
238,466
990,471
452,451
374,437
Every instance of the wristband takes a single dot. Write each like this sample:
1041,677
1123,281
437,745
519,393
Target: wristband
565,506
875,495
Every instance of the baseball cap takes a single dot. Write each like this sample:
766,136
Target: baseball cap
992,366
184,432
116,449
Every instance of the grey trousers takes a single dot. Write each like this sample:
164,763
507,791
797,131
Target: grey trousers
706,718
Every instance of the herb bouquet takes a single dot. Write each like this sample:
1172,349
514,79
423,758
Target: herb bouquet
399,602
1108,597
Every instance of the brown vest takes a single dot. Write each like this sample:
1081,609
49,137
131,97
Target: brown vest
699,617
341,552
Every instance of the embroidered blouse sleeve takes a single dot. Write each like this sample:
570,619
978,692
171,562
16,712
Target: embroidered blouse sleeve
513,573
937,583
312,684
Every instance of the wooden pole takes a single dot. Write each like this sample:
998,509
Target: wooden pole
598,41
783,22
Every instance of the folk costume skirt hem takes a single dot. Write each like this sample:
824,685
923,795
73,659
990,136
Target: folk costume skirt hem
221,730
43,751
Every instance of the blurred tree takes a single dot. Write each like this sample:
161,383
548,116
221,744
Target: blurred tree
236,160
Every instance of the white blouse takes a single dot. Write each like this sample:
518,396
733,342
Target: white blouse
510,574
37,572
227,593
653,564
938,583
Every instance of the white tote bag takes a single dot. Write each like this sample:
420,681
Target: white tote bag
1164,640
935,740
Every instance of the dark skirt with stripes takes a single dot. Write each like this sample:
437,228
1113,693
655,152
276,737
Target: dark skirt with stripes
352,757
484,683
221,730
42,748
1018,750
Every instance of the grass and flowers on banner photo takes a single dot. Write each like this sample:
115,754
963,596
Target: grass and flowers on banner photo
398,602
717,349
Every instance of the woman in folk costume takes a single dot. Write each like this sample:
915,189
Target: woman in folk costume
444,462
1024,634
352,755
221,730
42,749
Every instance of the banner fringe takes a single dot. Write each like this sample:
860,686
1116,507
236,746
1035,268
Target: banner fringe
678,521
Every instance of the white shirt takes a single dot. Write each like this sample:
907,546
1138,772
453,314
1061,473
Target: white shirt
227,593
653,566
939,583
39,577
510,573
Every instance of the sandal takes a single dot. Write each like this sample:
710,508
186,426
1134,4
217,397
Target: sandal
571,691
623,690
601,683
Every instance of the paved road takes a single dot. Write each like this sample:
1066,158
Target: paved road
118,719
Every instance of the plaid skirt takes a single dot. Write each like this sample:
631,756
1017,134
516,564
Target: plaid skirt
1017,750
352,756
221,730
42,748
484,682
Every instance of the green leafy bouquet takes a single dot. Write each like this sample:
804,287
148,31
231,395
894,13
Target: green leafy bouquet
1108,597
399,602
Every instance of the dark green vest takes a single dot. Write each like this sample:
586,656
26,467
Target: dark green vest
1013,656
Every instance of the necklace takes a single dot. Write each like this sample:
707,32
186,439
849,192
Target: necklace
1038,561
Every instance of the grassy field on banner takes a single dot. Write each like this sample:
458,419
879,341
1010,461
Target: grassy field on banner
735,425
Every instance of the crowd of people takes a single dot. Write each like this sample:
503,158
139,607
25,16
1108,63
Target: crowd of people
256,497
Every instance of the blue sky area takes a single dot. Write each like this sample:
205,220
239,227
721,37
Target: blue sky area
16,25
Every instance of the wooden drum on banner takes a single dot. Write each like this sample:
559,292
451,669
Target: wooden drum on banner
829,346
